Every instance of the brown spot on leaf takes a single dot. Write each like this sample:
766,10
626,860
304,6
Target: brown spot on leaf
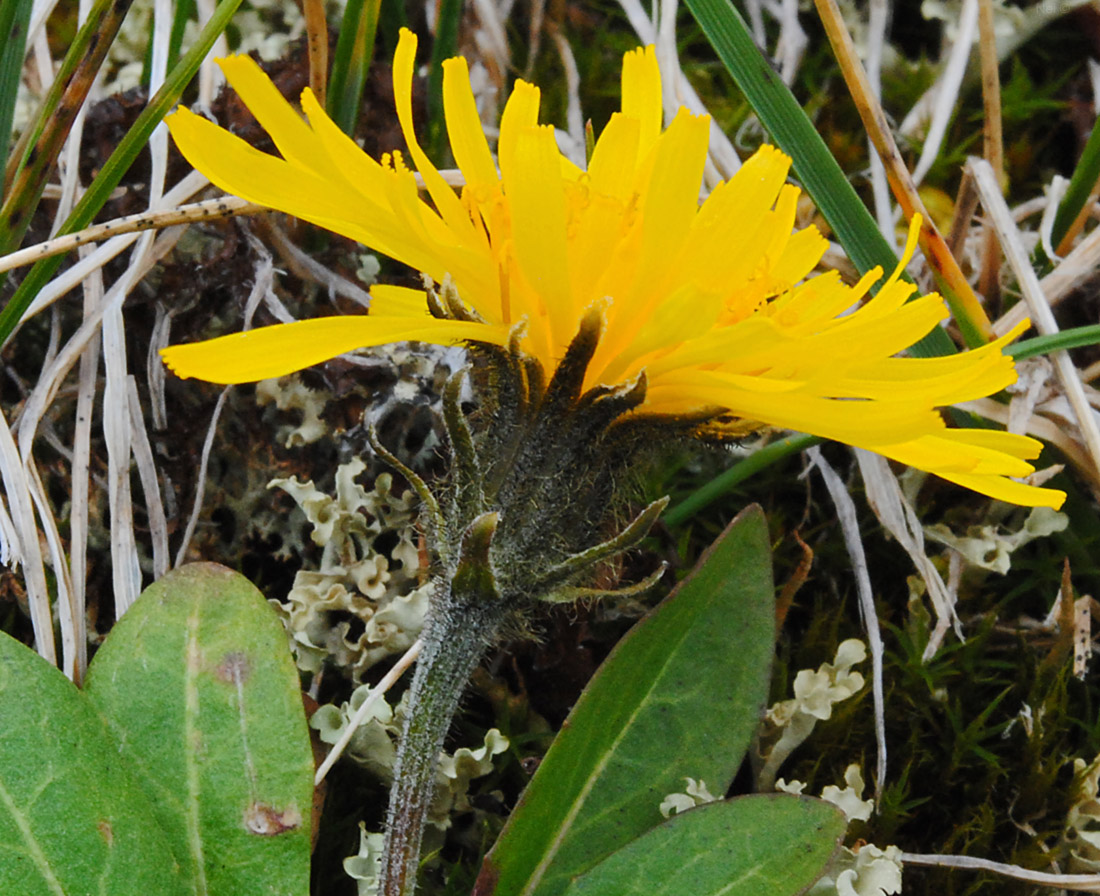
267,821
486,883
234,668
106,831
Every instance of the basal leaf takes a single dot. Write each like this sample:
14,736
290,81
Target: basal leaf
679,697
73,819
773,843
199,688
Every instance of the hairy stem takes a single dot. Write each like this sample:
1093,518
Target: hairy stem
458,630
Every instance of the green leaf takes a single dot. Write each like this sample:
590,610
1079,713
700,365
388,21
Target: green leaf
72,817
198,685
678,697
722,484
773,843
30,169
1084,178
1074,337
795,134
351,62
15,16
444,47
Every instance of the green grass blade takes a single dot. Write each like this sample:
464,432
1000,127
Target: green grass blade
1077,337
1084,178
446,42
31,167
119,162
794,133
724,483
351,61
181,15
392,17
15,16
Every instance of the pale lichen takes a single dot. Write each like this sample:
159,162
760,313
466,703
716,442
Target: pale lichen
364,866
288,393
990,546
848,799
788,723
695,794
373,746
866,870
362,603
1081,836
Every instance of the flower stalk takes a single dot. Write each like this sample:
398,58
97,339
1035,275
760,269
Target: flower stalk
529,489
460,625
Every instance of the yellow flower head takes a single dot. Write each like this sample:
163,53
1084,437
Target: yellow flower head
713,302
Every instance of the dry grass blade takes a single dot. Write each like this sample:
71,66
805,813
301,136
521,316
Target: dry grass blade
1074,270
387,682
200,479
898,517
1042,317
81,465
29,166
27,550
158,219
993,145
574,119
96,259
968,312
880,186
1082,883
938,103
849,526
147,473
317,43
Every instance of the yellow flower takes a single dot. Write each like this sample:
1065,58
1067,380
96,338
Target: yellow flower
714,302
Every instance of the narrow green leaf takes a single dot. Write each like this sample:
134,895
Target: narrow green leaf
392,17
72,816
445,46
351,62
678,697
197,683
775,844
15,16
1081,183
722,484
1075,337
118,163
181,15
795,134
59,109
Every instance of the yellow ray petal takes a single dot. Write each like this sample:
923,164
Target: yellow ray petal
1007,490
465,133
521,113
276,116
243,171
443,195
641,87
284,348
397,301
536,199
